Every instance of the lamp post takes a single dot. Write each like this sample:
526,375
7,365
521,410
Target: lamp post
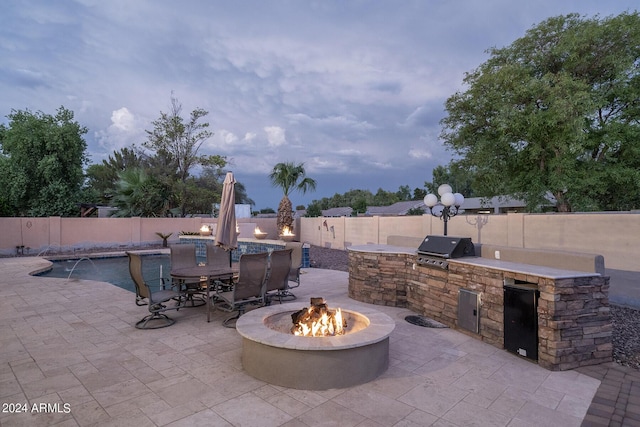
450,203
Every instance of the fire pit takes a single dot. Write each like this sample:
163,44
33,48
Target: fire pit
271,353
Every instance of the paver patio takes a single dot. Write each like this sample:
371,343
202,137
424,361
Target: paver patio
74,342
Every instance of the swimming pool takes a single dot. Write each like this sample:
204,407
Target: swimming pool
114,270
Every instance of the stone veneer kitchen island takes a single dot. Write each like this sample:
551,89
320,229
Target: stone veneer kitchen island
574,321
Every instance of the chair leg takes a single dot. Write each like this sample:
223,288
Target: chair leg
287,295
194,300
163,319
227,322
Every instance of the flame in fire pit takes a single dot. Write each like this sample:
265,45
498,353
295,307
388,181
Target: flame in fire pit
318,320
286,231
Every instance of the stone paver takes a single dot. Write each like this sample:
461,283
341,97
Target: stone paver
71,346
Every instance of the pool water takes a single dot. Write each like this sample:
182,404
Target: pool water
114,270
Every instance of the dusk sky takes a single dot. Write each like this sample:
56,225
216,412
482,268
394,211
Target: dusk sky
353,89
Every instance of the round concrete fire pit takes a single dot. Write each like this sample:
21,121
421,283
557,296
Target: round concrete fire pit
274,355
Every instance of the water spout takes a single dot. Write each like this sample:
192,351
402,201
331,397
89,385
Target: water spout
78,262
44,251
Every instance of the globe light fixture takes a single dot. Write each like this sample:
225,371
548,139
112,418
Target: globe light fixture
447,207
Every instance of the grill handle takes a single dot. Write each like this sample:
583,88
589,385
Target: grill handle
434,254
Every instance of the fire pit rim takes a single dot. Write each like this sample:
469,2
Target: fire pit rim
251,326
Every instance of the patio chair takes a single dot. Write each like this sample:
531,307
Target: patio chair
155,300
278,277
248,289
184,256
296,266
218,257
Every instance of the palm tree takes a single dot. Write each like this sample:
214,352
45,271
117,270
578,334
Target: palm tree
289,176
139,194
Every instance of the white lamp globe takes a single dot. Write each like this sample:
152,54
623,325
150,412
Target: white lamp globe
430,200
459,199
437,210
444,189
448,199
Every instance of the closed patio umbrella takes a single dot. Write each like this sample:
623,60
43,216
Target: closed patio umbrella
226,235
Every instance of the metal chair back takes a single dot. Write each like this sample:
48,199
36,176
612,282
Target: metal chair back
251,277
280,266
183,256
217,256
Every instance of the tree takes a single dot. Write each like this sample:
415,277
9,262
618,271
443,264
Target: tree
556,112
206,190
454,174
313,211
241,194
42,161
138,194
289,176
415,212
404,193
178,144
384,198
102,178
419,193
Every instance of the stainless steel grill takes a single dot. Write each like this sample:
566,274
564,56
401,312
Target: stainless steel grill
436,251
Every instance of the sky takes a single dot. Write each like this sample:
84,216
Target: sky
354,89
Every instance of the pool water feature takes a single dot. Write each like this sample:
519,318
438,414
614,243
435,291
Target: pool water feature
114,270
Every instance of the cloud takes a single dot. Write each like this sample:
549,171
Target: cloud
355,90
122,119
275,136
125,130
418,153
25,77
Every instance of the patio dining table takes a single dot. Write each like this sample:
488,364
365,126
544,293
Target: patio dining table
205,274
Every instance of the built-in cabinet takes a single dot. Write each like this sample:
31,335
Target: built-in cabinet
521,318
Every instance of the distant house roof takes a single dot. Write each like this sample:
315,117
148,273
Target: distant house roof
493,205
396,209
337,212
471,205
296,214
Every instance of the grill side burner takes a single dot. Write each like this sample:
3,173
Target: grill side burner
435,251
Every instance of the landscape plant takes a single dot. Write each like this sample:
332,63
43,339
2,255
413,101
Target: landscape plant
555,116
289,176
41,164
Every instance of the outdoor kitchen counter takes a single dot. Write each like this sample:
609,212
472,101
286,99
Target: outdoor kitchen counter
513,267
520,268
383,249
574,326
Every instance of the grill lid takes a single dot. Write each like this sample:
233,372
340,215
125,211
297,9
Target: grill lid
447,247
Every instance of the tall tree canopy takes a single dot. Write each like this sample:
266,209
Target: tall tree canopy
556,112
102,177
41,164
459,178
178,142
139,194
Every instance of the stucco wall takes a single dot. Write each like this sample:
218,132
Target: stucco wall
613,235
39,235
